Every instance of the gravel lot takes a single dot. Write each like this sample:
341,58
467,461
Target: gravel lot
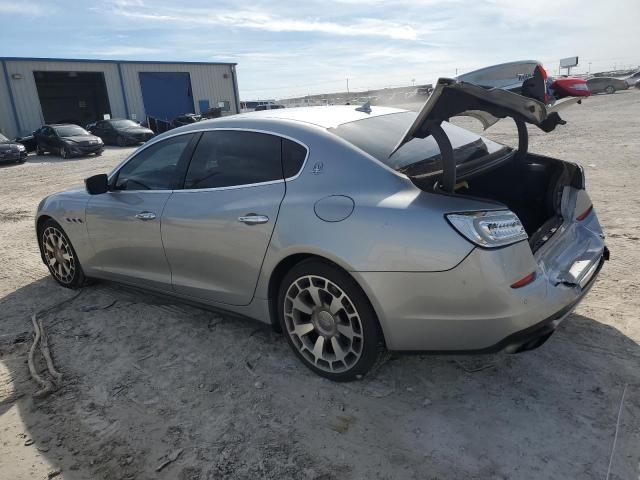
146,377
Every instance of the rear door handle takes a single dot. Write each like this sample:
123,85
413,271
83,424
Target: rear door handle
144,216
253,219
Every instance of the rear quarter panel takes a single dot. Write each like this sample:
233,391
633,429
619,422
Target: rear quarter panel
394,225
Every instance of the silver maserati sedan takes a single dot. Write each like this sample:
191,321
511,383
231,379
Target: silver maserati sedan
353,230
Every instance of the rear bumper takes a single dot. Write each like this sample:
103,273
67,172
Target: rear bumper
472,308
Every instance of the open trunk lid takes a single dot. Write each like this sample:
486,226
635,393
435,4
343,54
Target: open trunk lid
454,98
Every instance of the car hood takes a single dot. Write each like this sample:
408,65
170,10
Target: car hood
452,98
80,138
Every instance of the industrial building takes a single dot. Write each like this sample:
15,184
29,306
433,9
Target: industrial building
36,91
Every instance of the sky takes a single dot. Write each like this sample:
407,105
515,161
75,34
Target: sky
291,48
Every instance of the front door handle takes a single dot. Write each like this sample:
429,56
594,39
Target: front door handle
253,219
144,216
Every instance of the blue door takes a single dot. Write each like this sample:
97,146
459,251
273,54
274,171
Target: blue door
166,94
203,105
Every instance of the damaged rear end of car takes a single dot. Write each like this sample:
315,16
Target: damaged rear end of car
538,245
539,200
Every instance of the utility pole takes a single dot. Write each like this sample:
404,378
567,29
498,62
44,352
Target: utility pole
347,86
413,82
589,68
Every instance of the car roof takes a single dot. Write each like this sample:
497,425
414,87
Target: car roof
323,116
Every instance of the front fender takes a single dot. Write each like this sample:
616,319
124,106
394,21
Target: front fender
68,210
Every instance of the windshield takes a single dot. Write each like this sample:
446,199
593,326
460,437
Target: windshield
3,139
70,131
124,123
379,135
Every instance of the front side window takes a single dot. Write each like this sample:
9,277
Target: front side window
227,158
155,167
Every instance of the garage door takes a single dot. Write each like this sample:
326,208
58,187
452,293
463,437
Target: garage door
166,94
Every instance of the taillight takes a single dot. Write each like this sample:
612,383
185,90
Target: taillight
524,280
491,229
584,214
544,75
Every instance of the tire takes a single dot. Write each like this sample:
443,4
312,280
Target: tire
121,141
59,255
328,321
99,153
39,150
610,89
64,153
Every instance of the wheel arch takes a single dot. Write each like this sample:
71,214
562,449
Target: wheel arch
42,219
287,263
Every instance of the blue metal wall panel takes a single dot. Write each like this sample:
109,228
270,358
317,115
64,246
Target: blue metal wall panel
166,94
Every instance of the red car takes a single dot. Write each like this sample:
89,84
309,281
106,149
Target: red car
570,87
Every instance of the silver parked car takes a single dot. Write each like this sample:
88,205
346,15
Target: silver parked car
351,229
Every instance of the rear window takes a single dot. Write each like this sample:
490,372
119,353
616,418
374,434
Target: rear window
378,136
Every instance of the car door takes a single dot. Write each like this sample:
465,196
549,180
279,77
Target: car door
217,229
100,130
124,223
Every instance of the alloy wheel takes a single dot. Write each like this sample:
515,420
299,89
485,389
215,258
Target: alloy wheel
59,255
323,324
63,152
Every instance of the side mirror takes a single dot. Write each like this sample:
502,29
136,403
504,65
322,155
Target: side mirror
97,184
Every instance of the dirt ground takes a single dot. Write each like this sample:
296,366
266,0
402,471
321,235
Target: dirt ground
147,378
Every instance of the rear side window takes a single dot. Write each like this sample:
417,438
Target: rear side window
228,158
293,155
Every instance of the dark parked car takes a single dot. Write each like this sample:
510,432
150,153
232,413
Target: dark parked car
185,119
121,132
270,106
606,84
67,141
11,151
29,142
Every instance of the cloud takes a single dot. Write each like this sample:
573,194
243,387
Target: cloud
22,8
365,27
126,51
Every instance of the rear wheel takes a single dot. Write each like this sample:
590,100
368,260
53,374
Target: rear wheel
610,89
60,257
328,321
121,141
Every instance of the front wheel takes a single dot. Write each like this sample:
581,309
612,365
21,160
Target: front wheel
328,321
59,256
121,141
99,153
39,150
64,153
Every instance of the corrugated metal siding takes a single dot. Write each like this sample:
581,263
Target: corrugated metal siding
25,92
7,123
207,83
